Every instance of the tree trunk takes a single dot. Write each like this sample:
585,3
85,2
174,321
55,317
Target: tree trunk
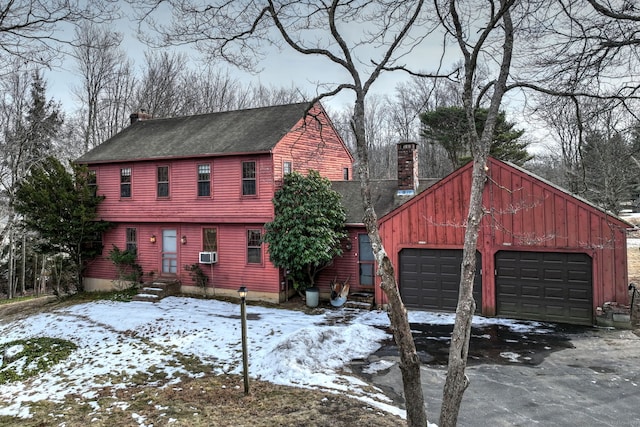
409,360
457,382
23,273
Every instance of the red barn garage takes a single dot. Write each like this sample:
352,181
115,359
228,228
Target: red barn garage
543,254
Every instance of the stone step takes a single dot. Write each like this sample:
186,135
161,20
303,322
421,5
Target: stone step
360,300
156,290
146,298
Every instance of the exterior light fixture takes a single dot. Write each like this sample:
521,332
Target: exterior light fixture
245,357
183,240
348,245
152,239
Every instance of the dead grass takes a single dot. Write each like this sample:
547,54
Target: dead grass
209,401
633,265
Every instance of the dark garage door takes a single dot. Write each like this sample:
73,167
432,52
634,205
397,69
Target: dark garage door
430,278
545,286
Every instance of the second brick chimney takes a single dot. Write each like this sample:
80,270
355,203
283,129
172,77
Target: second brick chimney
139,116
407,168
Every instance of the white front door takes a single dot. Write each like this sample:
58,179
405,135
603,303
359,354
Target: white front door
169,252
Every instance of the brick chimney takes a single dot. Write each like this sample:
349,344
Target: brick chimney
139,116
407,168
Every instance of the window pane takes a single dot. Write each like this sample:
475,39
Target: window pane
248,178
204,180
248,170
125,190
209,240
248,187
254,246
204,172
366,274
204,189
163,181
253,256
287,168
163,189
132,245
125,182
364,244
163,174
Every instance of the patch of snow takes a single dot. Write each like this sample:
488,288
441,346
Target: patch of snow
378,366
510,356
117,340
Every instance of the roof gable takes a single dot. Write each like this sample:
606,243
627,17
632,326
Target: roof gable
463,174
255,130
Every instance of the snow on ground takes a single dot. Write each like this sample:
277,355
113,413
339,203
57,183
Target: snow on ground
116,340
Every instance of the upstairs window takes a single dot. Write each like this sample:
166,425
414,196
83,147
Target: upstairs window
125,182
345,174
248,178
92,182
204,180
254,246
132,240
163,181
286,168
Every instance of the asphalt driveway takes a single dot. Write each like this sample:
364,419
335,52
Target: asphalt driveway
592,381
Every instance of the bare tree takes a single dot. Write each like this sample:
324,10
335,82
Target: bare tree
237,32
99,61
31,125
159,89
31,30
494,22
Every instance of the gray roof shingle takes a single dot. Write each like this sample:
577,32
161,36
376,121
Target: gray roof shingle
383,196
255,130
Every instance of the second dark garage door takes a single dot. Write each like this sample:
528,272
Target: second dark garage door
547,286
430,279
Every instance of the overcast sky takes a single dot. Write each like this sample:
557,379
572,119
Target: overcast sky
281,68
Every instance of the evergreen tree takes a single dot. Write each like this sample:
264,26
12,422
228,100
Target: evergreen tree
31,127
610,178
305,234
61,208
447,127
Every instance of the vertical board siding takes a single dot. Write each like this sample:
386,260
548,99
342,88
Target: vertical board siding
525,214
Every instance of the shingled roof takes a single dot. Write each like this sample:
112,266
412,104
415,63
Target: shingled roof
255,130
384,196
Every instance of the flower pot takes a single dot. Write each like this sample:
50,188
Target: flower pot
312,296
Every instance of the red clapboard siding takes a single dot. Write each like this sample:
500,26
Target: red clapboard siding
345,267
226,202
311,144
231,271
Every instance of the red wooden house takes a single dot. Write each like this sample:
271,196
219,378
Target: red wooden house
199,189
542,254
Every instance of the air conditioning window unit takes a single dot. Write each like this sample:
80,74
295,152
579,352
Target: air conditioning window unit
208,257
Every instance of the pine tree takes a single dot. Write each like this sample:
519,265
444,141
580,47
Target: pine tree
447,127
61,207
